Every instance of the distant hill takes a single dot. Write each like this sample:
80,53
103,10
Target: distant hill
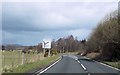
13,47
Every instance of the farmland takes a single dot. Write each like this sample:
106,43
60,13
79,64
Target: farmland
12,59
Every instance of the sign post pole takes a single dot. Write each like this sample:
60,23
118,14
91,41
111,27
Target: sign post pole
46,45
49,53
43,51
44,48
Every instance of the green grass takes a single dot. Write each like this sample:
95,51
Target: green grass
0,61
30,66
113,64
12,59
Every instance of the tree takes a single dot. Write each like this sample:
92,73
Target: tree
106,38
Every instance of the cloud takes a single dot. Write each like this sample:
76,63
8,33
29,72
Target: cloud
84,33
23,20
60,0
30,38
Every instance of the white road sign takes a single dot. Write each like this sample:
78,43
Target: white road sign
46,44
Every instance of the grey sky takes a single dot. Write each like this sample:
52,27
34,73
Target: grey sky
27,23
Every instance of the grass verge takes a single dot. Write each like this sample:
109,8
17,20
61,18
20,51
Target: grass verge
93,55
30,66
12,59
113,64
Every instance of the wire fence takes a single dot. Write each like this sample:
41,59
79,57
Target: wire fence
12,59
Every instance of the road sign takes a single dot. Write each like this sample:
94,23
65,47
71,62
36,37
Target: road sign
46,44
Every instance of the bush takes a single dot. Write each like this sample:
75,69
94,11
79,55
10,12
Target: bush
54,52
111,51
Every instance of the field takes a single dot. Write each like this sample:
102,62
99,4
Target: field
12,59
38,64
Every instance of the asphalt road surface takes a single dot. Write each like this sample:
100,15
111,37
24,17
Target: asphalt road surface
78,65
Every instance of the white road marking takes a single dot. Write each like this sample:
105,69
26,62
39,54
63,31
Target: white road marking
104,64
78,62
82,66
76,58
42,71
107,65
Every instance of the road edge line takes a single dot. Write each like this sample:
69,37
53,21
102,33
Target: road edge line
43,70
107,65
104,64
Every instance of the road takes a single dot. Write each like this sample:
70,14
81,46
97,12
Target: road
70,64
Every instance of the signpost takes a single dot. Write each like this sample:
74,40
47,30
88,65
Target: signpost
46,44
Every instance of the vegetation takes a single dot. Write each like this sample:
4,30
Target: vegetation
114,64
68,44
33,65
28,54
13,59
106,38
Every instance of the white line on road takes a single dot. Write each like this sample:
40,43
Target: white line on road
78,62
104,64
82,65
107,65
40,72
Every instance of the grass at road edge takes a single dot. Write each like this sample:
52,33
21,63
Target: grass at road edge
94,54
113,64
30,66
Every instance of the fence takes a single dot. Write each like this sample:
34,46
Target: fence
12,59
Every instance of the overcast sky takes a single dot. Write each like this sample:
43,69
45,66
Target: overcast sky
28,23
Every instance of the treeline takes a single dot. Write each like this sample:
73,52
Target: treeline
25,49
62,45
68,44
106,38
